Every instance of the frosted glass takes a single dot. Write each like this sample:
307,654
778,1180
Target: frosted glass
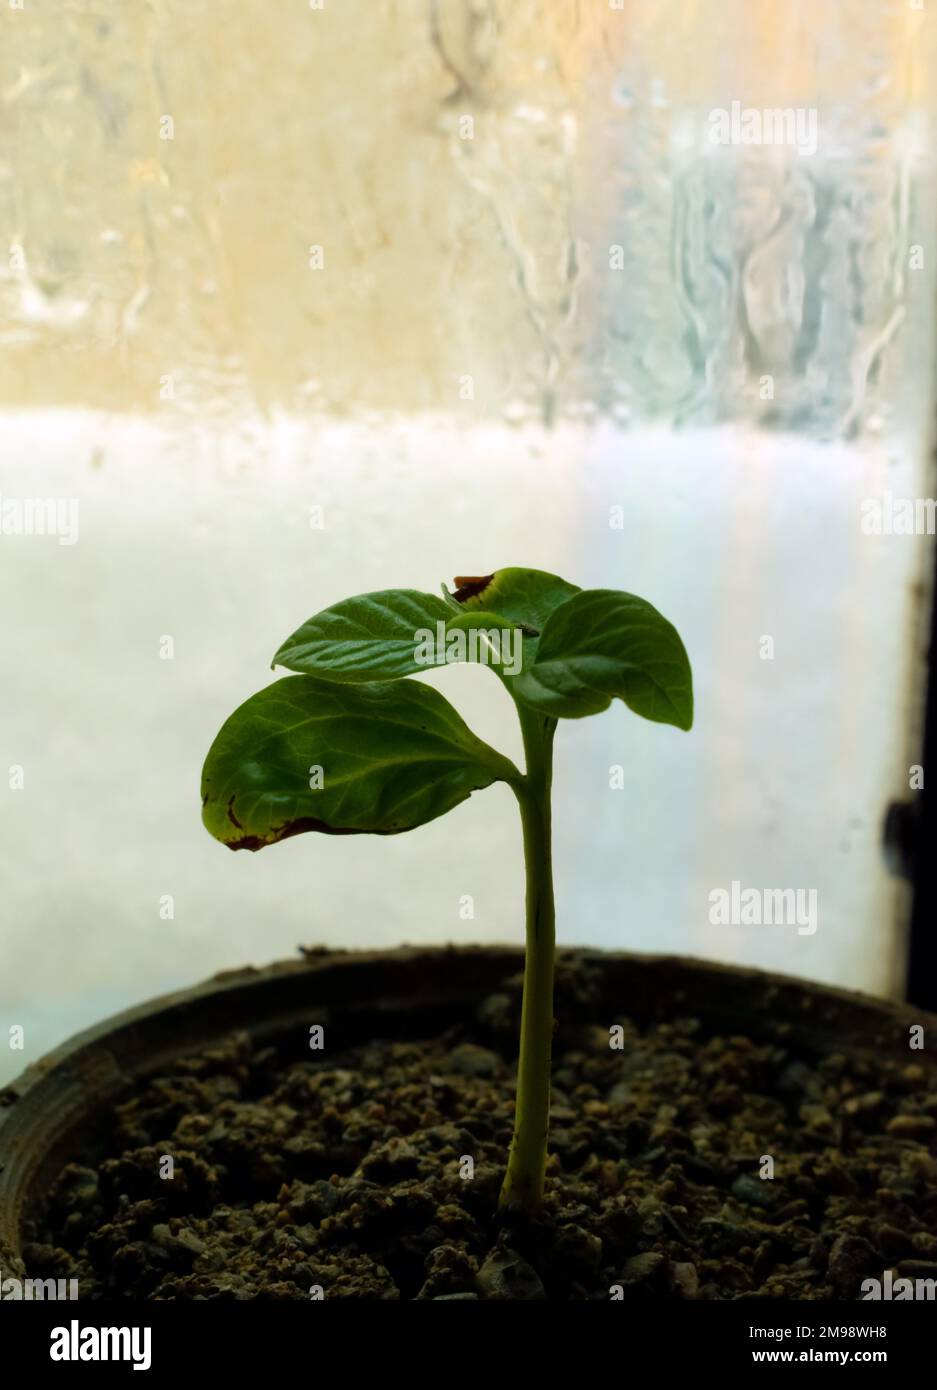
359,264
386,204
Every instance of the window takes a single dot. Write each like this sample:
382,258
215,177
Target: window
310,303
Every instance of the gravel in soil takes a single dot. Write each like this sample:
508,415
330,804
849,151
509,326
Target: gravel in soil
374,1174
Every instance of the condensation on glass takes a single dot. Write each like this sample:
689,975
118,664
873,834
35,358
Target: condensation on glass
358,205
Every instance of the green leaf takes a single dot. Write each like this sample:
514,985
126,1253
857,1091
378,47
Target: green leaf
513,597
602,644
520,595
383,758
373,637
490,640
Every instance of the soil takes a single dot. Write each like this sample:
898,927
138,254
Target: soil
374,1173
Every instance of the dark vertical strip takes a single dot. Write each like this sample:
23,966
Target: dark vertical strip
922,953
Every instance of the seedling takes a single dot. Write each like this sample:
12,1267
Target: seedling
350,746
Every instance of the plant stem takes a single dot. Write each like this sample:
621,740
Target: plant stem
524,1179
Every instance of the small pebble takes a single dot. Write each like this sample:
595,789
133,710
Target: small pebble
506,1275
911,1126
468,1059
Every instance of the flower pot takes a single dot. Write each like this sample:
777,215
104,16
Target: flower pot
714,1071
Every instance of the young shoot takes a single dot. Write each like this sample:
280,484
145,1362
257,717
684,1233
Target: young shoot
349,745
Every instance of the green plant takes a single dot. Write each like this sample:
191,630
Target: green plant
349,745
